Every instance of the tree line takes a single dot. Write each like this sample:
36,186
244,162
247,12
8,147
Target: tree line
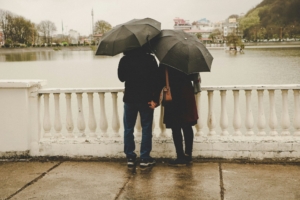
270,19
19,30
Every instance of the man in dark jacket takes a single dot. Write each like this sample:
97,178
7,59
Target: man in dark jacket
138,69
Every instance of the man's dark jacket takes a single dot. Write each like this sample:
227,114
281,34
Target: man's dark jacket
139,70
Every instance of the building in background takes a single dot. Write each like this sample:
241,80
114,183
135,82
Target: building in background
204,34
203,24
181,24
231,25
73,37
97,38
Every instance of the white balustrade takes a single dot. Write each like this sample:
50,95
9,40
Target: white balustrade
297,112
46,121
261,119
80,117
285,118
57,120
200,123
153,124
115,118
224,116
138,126
261,124
237,122
161,123
69,117
272,116
249,116
103,119
211,119
92,118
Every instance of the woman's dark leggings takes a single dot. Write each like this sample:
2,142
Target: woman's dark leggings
188,140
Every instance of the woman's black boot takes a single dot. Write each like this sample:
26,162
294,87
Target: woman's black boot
188,159
178,162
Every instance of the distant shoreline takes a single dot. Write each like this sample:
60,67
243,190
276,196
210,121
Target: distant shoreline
35,49
92,48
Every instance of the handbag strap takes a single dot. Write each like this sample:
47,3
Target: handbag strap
167,78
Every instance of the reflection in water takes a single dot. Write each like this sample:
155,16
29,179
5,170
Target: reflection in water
36,56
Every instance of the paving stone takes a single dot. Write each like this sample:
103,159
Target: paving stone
249,181
15,175
79,180
199,181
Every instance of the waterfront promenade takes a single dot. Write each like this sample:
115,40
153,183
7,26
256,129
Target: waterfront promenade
252,45
112,180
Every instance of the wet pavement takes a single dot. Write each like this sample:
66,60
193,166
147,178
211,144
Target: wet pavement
113,180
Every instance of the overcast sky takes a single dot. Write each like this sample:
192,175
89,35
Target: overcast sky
76,14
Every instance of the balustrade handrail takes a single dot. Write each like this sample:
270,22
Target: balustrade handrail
204,88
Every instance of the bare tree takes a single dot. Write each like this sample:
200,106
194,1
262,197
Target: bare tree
5,17
102,26
46,28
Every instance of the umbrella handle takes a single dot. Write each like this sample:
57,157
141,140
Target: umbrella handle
167,78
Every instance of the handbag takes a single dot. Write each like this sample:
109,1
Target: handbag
196,78
167,97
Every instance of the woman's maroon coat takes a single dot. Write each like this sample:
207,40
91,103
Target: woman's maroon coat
182,110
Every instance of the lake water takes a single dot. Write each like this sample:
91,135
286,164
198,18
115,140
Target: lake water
82,69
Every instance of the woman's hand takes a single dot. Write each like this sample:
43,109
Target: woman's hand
152,105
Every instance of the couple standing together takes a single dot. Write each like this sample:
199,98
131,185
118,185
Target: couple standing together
144,81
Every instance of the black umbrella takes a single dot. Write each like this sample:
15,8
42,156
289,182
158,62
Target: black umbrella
128,36
181,51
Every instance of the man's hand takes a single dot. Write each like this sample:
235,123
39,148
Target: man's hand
152,104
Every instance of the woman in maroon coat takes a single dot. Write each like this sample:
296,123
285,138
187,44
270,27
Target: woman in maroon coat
181,113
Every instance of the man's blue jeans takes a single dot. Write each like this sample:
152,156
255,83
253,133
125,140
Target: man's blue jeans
130,114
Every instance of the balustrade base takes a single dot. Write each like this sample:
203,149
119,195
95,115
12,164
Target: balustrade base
254,148
224,147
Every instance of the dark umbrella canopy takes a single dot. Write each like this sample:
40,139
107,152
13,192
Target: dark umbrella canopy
130,35
181,51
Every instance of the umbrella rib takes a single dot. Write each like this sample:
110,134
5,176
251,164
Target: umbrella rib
119,30
132,33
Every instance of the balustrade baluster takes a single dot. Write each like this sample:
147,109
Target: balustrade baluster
153,124
162,126
103,118
57,120
224,116
199,125
80,118
211,120
272,115
249,116
69,117
115,118
138,127
46,121
92,118
285,118
237,115
261,120
297,112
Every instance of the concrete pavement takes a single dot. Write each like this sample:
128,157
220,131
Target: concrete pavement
112,180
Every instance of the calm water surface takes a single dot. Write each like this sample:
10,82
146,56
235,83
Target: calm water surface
81,69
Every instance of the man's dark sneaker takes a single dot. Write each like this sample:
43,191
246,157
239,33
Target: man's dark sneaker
131,162
188,159
147,162
151,161
179,162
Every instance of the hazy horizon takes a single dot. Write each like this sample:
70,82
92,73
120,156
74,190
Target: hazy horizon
76,15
